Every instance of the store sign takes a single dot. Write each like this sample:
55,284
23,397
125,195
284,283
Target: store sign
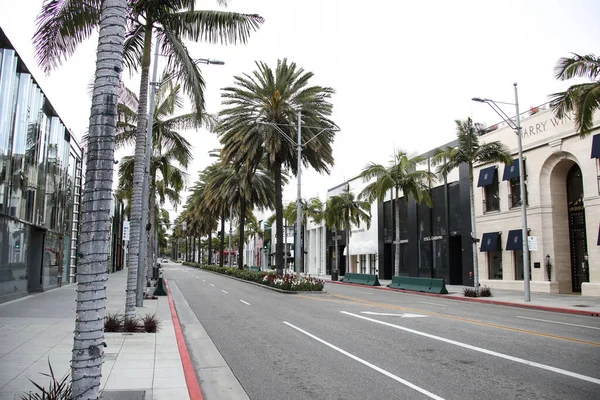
126,230
542,126
432,238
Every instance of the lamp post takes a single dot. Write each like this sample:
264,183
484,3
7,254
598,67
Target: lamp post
139,301
516,125
297,250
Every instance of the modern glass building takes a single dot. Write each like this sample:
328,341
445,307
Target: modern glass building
40,185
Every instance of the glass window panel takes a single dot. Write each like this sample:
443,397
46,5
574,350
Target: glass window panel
494,260
8,91
14,248
454,206
492,197
53,259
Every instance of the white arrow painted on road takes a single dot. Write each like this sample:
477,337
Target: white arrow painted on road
394,315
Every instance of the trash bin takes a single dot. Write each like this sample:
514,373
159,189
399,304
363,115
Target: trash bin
334,275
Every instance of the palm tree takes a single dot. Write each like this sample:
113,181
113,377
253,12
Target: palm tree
276,97
344,210
469,151
88,350
63,24
583,99
401,175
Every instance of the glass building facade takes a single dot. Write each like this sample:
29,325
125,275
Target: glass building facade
40,185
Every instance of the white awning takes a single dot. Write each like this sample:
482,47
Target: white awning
363,247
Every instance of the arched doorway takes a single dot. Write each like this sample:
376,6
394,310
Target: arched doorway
577,231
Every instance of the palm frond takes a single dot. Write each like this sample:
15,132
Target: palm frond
586,66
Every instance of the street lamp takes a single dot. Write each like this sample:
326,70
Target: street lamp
299,144
516,125
139,302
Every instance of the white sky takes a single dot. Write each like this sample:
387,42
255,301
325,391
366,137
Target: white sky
403,70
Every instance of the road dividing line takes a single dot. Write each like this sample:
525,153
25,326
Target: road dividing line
435,304
562,323
212,285
481,350
224,291
245,302
368,364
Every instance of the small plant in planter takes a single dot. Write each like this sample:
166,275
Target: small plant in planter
58,389
485,292
113,323
131,324
151,323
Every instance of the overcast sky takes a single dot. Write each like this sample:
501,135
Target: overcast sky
403,71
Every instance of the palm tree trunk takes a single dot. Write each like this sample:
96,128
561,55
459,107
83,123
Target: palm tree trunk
473,232
88,350
151,233
348,246
138,175
194,250
397,237
278,218
209,256
241,237
222,243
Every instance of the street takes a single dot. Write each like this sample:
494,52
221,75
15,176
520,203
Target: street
365,343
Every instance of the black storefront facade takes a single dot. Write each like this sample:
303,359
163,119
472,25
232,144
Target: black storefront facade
435,242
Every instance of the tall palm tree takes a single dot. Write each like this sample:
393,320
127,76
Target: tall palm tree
469,151
401,176
63,24
88,350
275,97
344,210
583,99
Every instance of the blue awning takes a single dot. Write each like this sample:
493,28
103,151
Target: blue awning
486,176
511,170
596,146
515,240
490,242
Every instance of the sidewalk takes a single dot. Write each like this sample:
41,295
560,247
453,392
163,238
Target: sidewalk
564,303
39,328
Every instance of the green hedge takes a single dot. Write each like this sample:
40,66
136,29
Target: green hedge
268,278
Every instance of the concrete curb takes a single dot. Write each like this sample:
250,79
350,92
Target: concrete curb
481,301
188,369
264,286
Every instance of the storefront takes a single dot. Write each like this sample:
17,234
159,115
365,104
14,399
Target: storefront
39,163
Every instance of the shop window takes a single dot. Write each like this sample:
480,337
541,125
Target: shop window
492,197
512,175
494,259
363,263
518,262
373,263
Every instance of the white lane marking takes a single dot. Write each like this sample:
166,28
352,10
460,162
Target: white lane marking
364,292
556,322
212,285
481,350
224,292
368,364
203,280
435,304
245,302
394,315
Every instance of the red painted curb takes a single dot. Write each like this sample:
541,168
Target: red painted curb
481,301
188,369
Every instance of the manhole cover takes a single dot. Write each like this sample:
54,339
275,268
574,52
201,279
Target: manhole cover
580,305
123,395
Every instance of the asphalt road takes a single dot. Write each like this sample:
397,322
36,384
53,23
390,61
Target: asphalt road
362,343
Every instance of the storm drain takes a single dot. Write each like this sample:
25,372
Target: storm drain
123,395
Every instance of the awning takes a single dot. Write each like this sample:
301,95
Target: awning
511,171
486,176
362,247
490,242
596,146
515,240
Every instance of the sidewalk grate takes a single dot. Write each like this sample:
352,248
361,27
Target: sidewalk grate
123,395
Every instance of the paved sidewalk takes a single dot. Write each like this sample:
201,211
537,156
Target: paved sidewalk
565,303
39,328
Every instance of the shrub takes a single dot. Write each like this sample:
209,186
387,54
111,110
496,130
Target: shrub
485,292
470,292
59,389
151,323
113,323
132,324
